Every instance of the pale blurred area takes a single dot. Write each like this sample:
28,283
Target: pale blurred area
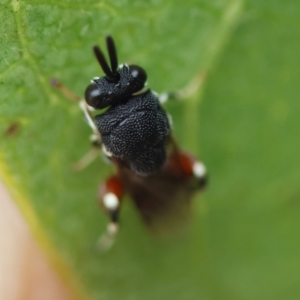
24,272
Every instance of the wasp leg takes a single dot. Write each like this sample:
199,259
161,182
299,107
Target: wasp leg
183,165
83,106
86,160
95,136
192,88
55,83
110,194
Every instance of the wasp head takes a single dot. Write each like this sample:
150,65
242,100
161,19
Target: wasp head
119,82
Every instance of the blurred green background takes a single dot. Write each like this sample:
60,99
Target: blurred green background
243,242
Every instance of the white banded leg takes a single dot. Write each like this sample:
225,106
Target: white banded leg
111,193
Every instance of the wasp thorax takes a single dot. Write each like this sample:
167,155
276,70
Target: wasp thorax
135,131
106,91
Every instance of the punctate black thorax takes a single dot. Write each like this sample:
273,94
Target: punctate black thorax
135,130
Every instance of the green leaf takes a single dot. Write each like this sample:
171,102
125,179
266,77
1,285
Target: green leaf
243,241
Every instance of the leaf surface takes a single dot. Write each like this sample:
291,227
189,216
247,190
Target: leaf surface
243,241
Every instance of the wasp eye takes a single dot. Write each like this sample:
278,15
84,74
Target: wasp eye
93,96
138,75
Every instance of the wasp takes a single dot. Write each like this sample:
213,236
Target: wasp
135,135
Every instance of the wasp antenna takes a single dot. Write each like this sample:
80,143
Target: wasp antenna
102,61
112,53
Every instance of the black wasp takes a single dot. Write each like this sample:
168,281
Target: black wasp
135,135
